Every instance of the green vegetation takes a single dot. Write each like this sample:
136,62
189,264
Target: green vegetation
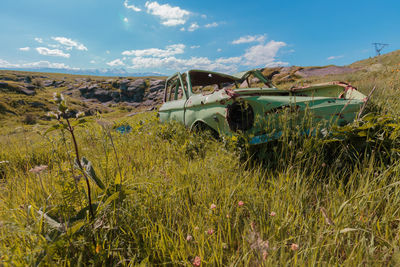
163,195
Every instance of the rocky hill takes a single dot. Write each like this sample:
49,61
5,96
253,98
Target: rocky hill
29,94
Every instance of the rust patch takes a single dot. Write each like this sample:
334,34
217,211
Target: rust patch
231,93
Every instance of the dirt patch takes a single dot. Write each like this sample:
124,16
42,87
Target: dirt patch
309,72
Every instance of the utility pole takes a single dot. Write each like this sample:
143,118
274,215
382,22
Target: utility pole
379,47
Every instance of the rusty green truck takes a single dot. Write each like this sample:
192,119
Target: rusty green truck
245,102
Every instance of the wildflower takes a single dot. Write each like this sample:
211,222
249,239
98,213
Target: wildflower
58,97
196,228
38,169
324,164
272,214
210,231
258,244
228,216
189,238
196,261
80,114
294,246
53,115
98,248
240,203
234,138
213,206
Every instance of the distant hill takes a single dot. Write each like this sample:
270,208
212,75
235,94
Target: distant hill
118,72
389,60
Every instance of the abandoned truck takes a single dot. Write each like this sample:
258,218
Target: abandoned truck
247,103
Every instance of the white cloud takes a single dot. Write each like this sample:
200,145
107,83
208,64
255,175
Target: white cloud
108,52
134,8
46,64
38,64
25,48
250,39
126,20
276,64
229,60
211,25
174,22
52,52
54,45
5,64
333,57
193,27
115,63
219,50
70,43
155,58
93,62
174,63
262,54
39,40
170,16
156,52
182,29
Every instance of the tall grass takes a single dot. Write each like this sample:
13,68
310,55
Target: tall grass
172,197
164,215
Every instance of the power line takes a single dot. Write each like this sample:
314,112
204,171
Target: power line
379,47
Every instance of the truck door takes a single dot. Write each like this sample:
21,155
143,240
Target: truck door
175,99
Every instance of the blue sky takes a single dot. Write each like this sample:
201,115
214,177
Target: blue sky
167,35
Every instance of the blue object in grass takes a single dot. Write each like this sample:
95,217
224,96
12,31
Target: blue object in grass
124,129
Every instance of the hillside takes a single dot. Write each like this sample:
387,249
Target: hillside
27,96
147,193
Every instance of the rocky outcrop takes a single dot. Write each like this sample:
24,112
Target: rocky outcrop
48,83
26,89
139,92
156,85
103,95
133,91
123,85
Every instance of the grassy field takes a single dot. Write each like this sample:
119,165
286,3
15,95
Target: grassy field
162,195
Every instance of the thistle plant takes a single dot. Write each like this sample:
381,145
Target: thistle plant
81,163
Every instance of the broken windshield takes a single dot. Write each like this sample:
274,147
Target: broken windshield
207,82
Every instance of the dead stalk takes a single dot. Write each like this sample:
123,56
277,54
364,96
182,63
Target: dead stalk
78,160
365,103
